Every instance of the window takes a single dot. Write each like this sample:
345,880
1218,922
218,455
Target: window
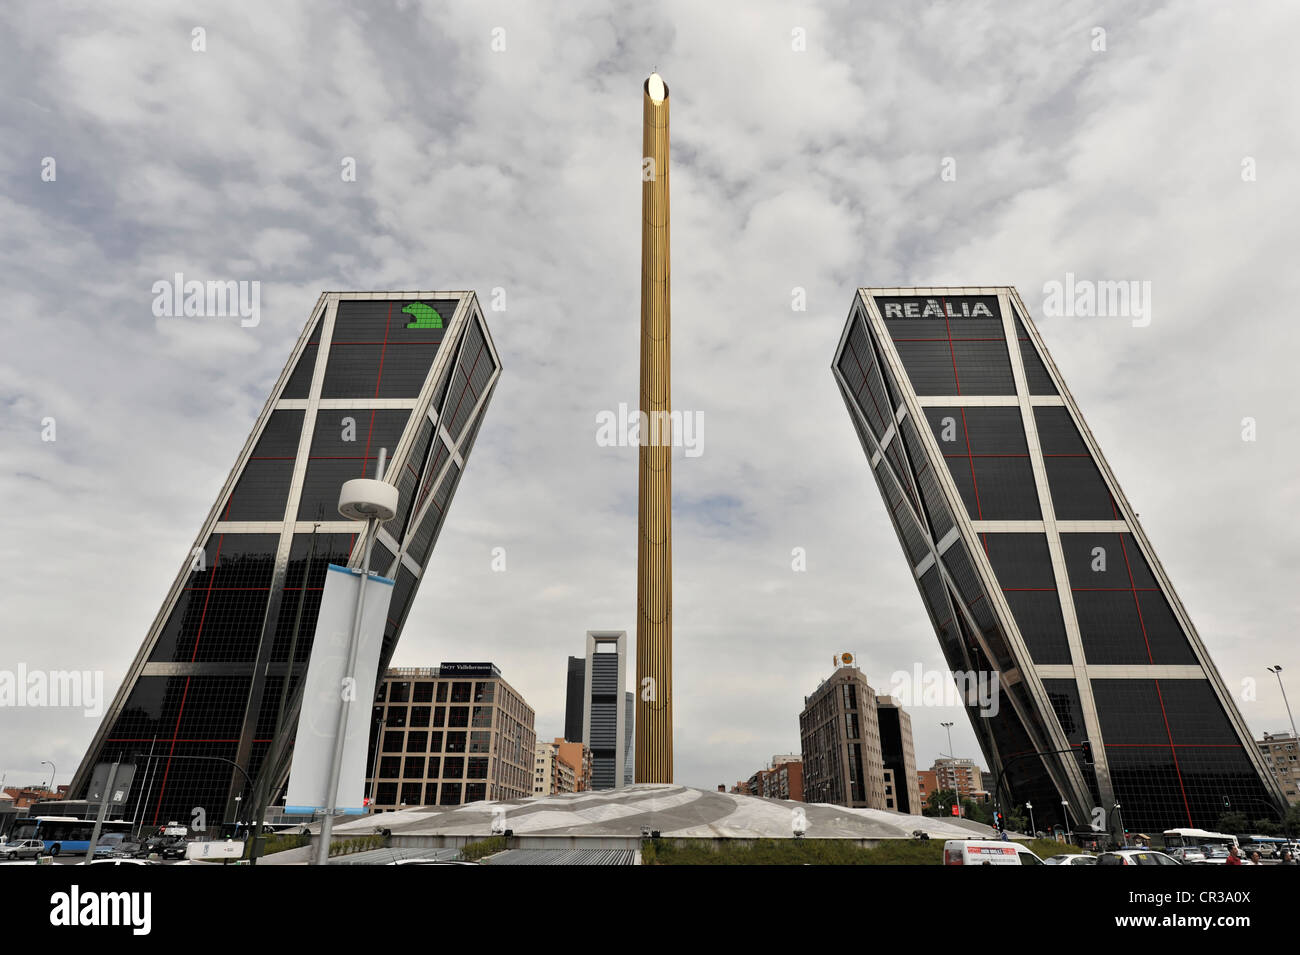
399,692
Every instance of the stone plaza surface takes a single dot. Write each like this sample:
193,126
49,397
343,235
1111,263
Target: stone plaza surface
674,811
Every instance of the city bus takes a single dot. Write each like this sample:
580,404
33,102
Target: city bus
69,834
1196,839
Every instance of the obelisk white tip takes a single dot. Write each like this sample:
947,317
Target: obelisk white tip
655,88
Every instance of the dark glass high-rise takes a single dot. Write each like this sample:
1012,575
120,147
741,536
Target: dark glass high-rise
409,372
1034,569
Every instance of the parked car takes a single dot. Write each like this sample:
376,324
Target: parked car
1218,855
166,847
26,849
1077,858
987,852
174,849
127,850
1187,855
1266,850
1136,857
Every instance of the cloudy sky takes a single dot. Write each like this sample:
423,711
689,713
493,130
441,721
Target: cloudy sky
482,167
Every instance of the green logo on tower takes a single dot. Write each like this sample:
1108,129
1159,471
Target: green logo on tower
425,317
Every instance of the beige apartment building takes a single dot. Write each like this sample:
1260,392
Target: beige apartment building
962,775
552,772
579,757
449,735
1280,755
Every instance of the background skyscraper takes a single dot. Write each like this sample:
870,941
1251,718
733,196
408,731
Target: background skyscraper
604,707
1032,566
577,678
897,752
410,372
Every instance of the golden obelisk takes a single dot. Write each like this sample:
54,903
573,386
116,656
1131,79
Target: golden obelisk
654,551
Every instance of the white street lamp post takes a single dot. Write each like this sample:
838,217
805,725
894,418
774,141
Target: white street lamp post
372,501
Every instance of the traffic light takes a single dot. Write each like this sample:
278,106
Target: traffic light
1227,803
997,821
1086,749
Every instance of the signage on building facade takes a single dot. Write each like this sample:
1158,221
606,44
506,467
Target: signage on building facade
938,306
466,669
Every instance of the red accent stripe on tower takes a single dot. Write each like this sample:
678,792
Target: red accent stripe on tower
212,576
1173,750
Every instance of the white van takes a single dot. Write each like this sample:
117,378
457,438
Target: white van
987,852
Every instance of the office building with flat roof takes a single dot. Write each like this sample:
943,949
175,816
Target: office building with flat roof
840,736
448,735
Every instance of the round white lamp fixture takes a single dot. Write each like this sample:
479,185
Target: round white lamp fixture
364,499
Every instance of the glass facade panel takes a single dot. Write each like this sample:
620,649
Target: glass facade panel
1173,753
345,445
299,383
1078,491
373,354
468,382
1123,616
1036,374
220,612
263,486
988,457
950,345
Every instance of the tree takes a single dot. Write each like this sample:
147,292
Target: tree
1292,823
1233,822
939,803
1017,821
